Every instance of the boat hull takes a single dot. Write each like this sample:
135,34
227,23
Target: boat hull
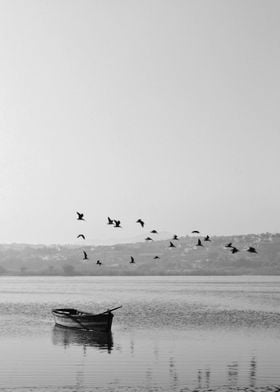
72,318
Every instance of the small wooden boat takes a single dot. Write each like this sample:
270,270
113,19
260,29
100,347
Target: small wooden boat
73,318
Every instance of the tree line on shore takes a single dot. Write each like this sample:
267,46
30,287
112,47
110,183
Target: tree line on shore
186,259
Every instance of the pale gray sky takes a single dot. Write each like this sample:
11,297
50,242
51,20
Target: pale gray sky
164,110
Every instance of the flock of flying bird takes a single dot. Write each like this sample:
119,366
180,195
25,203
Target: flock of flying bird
117,224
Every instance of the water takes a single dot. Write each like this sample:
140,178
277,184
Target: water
172,334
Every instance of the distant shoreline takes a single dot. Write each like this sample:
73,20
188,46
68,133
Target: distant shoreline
130,275
153,258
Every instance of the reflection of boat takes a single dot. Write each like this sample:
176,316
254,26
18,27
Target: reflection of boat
78,337
73,318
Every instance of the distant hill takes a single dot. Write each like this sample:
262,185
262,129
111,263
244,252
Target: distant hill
185,259
162,235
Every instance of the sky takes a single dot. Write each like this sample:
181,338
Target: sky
165,110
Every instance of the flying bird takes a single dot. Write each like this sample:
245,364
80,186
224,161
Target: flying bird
234,250
85,255
141,222
252,250
229,245
199,243
154,232
156,257
207,238
171,245
175,237
195,232
117,223
81,236
98,262
132,260
148,239
110,221
80,216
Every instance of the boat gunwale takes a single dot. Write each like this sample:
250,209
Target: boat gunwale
62,313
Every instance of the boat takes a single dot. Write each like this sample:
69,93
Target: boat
73,318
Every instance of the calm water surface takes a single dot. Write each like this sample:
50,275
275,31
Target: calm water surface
172,334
